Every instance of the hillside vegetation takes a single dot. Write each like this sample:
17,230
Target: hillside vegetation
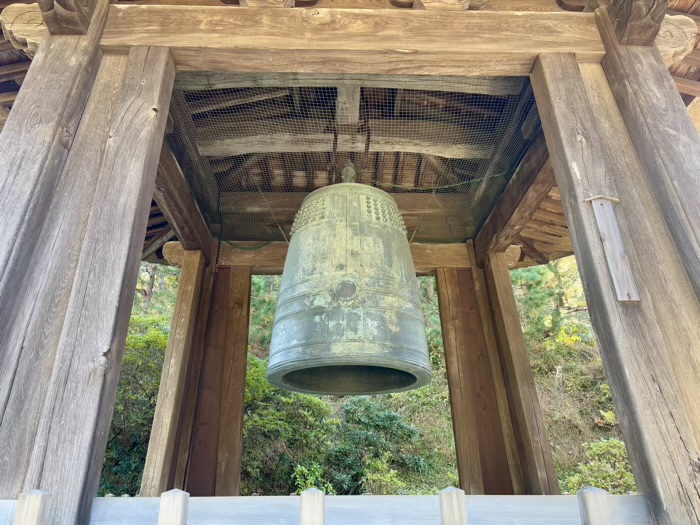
391,444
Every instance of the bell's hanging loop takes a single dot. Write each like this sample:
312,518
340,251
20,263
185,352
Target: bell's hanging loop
349,318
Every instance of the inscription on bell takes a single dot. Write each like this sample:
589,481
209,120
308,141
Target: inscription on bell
349,319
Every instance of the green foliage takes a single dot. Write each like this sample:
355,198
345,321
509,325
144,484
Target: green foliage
136,401
282,430
606,467
393,444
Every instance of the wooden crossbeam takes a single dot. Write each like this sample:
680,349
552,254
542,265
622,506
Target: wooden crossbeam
687,86
14,71
8,97
204,80
528,187
353,41
179,207
268,258
317,135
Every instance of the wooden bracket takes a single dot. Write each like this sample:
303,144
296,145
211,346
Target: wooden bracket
615,254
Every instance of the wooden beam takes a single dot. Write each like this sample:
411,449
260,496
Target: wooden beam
181,454
481,452
340,41
156,242
495,86
67,17
8,97
267,258
663,135
216,444
177,203
535,453
70,442
213,103
44,216
637,22
530,184
14,71
687,86
650,349
230,454
161,444
316,135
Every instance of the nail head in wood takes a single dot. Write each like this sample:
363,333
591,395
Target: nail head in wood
312,507
453,509
33,508
593,506
174,506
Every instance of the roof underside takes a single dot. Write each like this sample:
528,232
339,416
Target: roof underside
251,154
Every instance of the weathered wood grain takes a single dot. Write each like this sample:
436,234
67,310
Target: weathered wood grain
34,146
230,453
72,434
664,137
637,22
481,454
614,249
497,377
177,203
36,295
316,135
67,17
203,80
340,41
201,476
530,184
650,349
464,420
161,444
187,416
535,453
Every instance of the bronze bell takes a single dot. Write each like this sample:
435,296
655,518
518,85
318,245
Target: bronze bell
349,317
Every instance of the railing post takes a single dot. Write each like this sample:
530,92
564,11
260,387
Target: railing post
453,509
312,507
33,508
593,506
174,505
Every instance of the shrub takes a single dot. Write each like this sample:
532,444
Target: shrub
606,467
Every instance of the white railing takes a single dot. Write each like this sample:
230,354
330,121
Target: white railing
451,507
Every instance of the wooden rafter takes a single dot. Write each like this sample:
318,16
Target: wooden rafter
178,205
527,188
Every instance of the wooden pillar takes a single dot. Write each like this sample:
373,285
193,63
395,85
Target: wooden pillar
530,435
650,347
159,460
482,459
183,446
662,132
71,271
217,443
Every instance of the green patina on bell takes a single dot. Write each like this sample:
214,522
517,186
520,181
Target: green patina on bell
349,317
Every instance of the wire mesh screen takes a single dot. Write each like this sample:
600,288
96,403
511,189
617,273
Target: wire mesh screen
251,150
